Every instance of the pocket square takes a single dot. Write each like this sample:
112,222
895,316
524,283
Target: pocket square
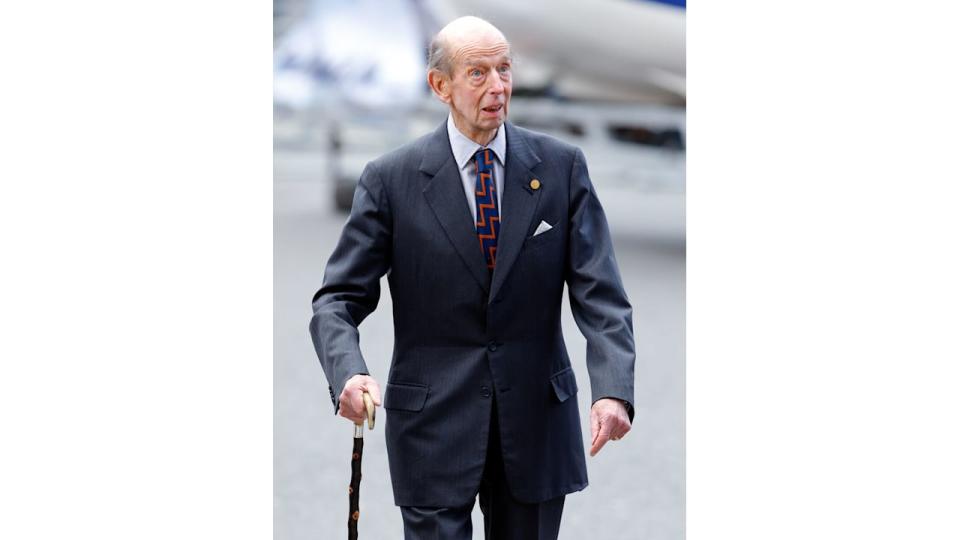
542,228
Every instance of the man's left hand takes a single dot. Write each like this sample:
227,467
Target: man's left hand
608,420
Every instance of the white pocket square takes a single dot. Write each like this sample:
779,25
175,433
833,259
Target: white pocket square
542,228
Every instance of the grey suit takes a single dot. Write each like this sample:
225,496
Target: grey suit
464,337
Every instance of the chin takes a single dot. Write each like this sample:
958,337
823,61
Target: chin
493,123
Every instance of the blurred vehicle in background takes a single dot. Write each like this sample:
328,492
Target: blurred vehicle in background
361,138
639,147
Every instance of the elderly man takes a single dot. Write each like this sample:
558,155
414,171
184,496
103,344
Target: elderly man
478,226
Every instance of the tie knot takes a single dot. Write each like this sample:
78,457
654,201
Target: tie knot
484,159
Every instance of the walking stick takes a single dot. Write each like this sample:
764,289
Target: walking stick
355,475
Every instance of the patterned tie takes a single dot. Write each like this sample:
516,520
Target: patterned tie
488,215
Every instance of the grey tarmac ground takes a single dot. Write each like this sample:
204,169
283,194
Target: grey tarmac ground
636,486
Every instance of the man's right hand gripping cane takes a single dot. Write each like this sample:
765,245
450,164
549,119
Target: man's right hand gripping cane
351,399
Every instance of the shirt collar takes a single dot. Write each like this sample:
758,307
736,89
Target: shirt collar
464,149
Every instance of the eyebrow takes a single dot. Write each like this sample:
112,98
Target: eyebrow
473,62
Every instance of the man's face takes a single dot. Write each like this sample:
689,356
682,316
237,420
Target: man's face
478,91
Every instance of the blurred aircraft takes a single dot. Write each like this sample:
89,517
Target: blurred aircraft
370,53
603,49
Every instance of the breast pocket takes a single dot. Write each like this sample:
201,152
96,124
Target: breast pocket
543,238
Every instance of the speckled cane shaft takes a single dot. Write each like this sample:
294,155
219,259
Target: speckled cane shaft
354,488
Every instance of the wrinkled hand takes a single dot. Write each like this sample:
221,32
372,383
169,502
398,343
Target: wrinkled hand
351,399
608,420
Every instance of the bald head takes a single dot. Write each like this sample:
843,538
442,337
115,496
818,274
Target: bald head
462,36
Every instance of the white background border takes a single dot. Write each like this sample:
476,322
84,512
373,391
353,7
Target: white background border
135,359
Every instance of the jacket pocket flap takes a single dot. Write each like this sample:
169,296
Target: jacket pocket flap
405,396
564,383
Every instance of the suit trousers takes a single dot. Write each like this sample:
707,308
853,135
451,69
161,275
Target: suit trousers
504,518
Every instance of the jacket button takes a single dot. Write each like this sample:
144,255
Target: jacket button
492,346
484,391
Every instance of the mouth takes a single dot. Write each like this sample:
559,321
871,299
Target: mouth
493,109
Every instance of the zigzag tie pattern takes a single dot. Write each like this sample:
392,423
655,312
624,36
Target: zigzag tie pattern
488,215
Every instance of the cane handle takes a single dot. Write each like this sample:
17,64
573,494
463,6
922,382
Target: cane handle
371,410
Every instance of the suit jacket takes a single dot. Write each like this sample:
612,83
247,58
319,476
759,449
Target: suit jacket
463,336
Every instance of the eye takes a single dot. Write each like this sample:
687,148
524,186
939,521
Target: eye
504,68
475,73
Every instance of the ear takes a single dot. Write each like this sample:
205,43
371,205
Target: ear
440,85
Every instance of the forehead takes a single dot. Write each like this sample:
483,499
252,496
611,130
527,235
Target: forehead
483,49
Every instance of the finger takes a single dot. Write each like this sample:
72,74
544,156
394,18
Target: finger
605,427
594,427
374,390
351,404
356,402
618,427
345,412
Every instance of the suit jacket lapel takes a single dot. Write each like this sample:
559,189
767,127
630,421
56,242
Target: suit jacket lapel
444,194
519,202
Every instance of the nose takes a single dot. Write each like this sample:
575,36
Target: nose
497,86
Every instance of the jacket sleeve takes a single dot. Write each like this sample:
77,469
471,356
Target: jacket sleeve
597,298
351,284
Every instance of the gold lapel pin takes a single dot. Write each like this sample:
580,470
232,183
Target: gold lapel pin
535,184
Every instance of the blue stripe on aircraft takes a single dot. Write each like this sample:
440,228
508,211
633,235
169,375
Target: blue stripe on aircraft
678,3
